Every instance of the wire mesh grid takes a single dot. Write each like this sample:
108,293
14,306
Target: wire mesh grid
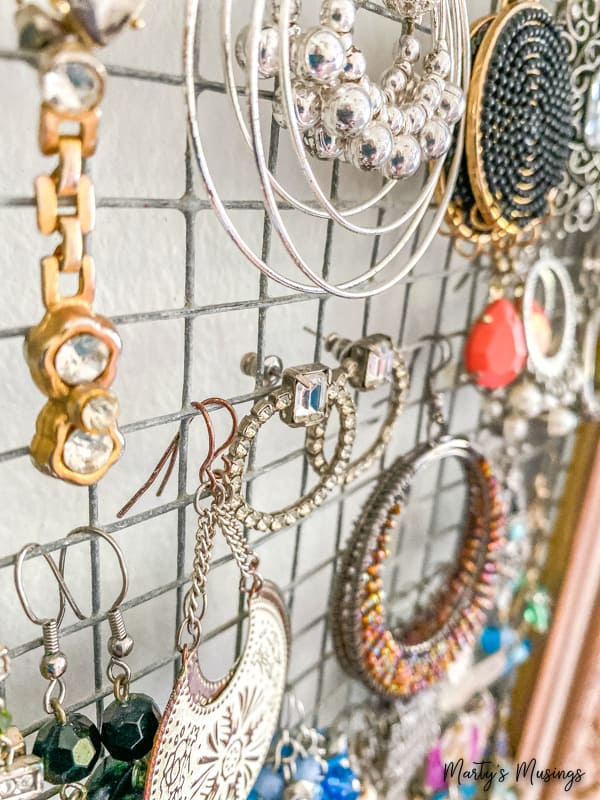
301,559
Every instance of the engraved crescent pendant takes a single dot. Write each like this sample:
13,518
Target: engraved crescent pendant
215,735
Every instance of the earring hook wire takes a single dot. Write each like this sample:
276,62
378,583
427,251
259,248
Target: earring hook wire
207,475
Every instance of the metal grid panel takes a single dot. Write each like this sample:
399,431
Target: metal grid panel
314,672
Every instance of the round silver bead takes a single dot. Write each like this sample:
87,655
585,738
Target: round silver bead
405,158
322,145
307,105
416,117
428,93
372,148
526,399
120,648
515,428
356,64
394,82
394,119
452,104
307,102
438,61
268,53
322,55
409,48
295,8
347,111
375,94
435,138
339,15
53,665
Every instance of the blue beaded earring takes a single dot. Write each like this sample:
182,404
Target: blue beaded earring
306,763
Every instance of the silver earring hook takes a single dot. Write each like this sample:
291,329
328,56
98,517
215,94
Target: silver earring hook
58,571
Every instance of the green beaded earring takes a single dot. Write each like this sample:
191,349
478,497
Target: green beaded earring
129,723
69,744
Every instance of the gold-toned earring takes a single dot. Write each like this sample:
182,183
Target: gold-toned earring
72,352
369,363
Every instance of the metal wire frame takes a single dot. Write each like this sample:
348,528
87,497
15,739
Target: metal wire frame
190,206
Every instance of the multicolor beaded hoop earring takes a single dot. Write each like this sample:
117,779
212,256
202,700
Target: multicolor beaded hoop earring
369,362
397,665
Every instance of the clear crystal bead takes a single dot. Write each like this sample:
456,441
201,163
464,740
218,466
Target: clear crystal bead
103,19
73,82
85,453
379,365
100,412
81,359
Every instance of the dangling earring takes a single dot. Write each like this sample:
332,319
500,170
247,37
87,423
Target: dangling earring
72,352
393,665
305,399
369,363
218,733
21,776
308,764
72,763
129,723
500,201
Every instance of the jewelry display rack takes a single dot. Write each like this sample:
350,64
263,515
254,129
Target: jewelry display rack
309,562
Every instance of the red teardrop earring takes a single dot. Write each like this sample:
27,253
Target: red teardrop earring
496,350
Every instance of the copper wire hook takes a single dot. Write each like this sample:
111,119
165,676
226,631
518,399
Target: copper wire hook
169,457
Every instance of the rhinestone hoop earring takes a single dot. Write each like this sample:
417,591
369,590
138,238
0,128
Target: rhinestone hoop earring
369,362
305,399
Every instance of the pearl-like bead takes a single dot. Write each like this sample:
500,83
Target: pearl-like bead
515,428
428,93
405,158
356,64
347,110
438,61
409,48
295,8
435,138
452,104
322,55
338,15
373,147
526,399
561,421
416,117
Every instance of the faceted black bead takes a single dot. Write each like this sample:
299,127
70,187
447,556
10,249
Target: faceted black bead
129,728
69,752
109,780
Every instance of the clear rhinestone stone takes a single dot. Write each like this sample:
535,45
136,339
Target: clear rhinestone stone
103,19
81,359
85,453
592,117
379,365
73,82
100,412
311,394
